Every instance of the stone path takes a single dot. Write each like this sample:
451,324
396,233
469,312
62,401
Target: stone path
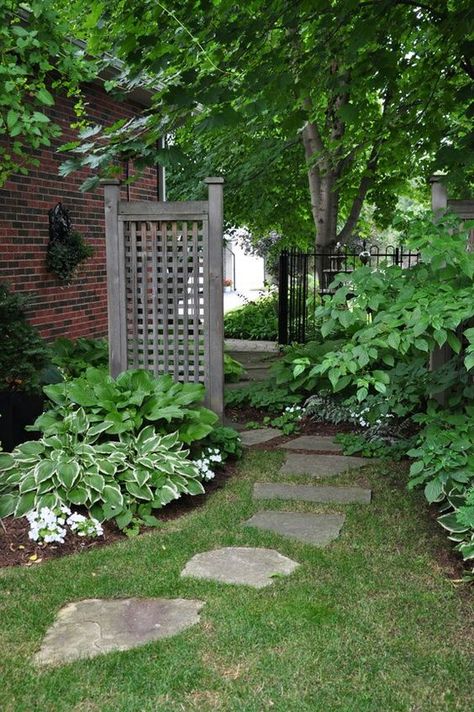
239,565
258,436
317,529
88,628
91,627
313,442
320,465
308,493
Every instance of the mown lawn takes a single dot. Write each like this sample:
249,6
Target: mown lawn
372,623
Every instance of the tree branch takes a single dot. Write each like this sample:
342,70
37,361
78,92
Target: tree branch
367,178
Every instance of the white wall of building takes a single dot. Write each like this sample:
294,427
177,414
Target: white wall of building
249,270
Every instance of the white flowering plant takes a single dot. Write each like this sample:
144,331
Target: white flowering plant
207,461
289,421
50,525
84,526
116,479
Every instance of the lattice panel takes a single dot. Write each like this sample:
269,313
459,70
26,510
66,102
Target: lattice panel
167,297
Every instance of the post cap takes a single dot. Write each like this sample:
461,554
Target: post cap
437,177
110,181
215,179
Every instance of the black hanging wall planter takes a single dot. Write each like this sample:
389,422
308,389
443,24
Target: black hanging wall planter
66,247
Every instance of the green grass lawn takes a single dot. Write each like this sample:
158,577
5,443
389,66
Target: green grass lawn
371,623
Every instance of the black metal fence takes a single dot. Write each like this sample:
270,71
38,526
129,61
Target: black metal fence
305,277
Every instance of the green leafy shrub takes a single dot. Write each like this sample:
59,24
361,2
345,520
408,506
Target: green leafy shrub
328,408
128,403
24,354
75,357
459,520
63,257
233,370
226,440
289,422
117,480
395,318
263,395
358,444
292,369
256,320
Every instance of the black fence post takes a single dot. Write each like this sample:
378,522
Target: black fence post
283,299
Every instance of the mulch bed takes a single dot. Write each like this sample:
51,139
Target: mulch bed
16,549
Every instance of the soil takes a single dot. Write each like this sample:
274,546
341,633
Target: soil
246,414
16,549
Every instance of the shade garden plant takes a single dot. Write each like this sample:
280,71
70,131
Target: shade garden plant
380,372
255,320
115,449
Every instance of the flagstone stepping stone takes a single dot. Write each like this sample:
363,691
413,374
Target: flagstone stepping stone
262,435
84,629
313,442
317,529
320,465
239,565
309,493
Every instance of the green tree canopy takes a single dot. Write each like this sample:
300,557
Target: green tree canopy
311,108
37,59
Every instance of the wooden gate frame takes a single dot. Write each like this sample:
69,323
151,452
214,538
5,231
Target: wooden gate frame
210,211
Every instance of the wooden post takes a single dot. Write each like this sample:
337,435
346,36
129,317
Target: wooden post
439,194
439,204
115,253
215,326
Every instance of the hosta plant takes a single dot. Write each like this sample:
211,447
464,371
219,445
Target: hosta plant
458,520
128,403
117,479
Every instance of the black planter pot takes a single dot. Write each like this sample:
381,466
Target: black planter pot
17,410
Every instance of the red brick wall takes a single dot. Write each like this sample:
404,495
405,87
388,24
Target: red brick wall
78,309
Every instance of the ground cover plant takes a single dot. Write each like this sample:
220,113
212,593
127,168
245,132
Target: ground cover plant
395,317
373,622
74,357
117,448
25,354
255,320
125,404
264,395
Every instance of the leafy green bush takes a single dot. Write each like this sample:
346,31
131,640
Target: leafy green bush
63,257
292,369
233,370
75,357
256,320
24,354
128,403
395,318
263,395
358,444
444,465
226,440
113,480
288,422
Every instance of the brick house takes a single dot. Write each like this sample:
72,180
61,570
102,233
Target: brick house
78,309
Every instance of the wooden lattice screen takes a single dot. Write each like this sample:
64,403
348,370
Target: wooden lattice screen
165,276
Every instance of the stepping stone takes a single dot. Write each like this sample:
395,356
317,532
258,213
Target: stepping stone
308,493
317,529
239,565
313,442
320,465
94,626
262,435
